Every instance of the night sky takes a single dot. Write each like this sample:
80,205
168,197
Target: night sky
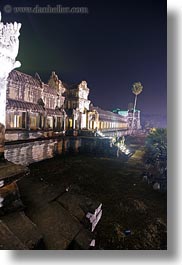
115,45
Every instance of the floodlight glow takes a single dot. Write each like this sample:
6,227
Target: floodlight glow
9,46
127,152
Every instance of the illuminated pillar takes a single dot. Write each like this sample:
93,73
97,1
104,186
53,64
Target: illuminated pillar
9,46
74,119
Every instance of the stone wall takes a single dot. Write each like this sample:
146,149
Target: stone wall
28,152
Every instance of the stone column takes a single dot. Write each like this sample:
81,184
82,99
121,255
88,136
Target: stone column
9,46
64,120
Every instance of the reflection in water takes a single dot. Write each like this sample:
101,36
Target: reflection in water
27,153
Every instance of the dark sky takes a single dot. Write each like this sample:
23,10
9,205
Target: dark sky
115,45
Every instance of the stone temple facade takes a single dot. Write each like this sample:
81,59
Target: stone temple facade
77,105
37,107
31,104
128,117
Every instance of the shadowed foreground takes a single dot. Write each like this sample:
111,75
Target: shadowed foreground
128,202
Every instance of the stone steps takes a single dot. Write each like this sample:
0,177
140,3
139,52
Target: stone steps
18,232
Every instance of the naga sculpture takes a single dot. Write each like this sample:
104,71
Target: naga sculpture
9,46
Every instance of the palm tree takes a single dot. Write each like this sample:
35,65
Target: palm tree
136,89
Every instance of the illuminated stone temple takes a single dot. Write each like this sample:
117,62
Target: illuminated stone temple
26,103
77,105
35,119
33,105
35,108
128,116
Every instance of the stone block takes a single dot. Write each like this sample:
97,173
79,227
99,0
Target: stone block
10,199
83,240
57,226
8,240
10,172
71,202
24,229
82,207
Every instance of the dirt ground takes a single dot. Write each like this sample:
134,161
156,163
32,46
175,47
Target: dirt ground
128,202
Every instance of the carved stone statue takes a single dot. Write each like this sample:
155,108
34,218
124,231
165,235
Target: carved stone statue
9,46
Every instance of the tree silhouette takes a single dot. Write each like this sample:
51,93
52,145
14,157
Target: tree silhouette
156,150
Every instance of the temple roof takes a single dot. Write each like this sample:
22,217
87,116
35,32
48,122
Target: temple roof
107,115
23,105
54,112
23,78
28,106
17,76
50,90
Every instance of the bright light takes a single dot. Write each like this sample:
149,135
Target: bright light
100,134
127,152
9,46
